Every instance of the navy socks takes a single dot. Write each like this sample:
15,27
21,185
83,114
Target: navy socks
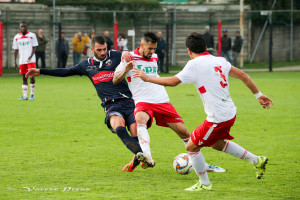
130,142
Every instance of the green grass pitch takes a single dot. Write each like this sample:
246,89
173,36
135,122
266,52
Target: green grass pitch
58,145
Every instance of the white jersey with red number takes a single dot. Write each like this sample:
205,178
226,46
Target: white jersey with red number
25,43
210,76
144,91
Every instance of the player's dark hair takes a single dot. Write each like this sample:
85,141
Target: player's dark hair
23,23
150,37
195,42
99,39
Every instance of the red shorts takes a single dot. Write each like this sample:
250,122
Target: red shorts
23,68
163,113
208,133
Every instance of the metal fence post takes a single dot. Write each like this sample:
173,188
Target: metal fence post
292,32
174,36
242,32
53,37
271,42
167,48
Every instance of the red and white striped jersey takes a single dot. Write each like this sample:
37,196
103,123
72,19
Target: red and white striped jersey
144,91
25,43
210,76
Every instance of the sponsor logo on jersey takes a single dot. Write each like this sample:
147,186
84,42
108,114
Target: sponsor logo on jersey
23,43
91,67
103,76
108,62
148,70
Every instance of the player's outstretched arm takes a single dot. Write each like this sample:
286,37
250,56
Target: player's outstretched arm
119,76
32,72
165,81
265,101
60,72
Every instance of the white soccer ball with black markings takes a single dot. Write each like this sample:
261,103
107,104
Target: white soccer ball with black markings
182,164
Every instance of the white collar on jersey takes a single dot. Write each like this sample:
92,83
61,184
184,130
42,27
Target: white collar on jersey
100,61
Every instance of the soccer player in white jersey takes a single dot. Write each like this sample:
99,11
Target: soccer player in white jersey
151,100
210,76
25,44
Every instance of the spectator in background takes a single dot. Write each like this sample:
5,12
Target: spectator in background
160,51
109,42
63,52
89,50
237,47
209,40
40,50
226,46
78,43
122,42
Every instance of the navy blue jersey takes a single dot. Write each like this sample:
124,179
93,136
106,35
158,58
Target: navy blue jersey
100,73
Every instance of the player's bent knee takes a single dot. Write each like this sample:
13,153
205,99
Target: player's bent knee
116,121
219,145
191,147
142,117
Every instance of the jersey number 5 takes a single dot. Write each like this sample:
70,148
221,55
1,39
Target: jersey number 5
223,82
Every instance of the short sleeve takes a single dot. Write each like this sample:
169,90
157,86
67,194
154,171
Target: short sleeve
34,41
15,44
226,67
187,75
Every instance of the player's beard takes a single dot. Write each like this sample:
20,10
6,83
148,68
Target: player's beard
103,56
147,56
24,32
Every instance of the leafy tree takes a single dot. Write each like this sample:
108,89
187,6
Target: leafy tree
277,17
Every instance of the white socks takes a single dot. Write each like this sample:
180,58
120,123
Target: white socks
32,86
185,141
239,152
24,89
199,165
144,138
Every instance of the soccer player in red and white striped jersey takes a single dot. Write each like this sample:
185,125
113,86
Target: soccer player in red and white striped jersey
151,100
25,44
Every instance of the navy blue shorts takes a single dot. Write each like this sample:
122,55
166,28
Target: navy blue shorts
120,107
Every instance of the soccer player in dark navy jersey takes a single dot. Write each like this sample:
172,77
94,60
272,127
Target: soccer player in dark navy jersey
116,99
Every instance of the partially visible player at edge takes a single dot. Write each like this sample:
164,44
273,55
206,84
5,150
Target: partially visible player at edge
116,99
25,44
151,99
210,76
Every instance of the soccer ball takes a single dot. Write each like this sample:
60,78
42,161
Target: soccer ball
182,164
